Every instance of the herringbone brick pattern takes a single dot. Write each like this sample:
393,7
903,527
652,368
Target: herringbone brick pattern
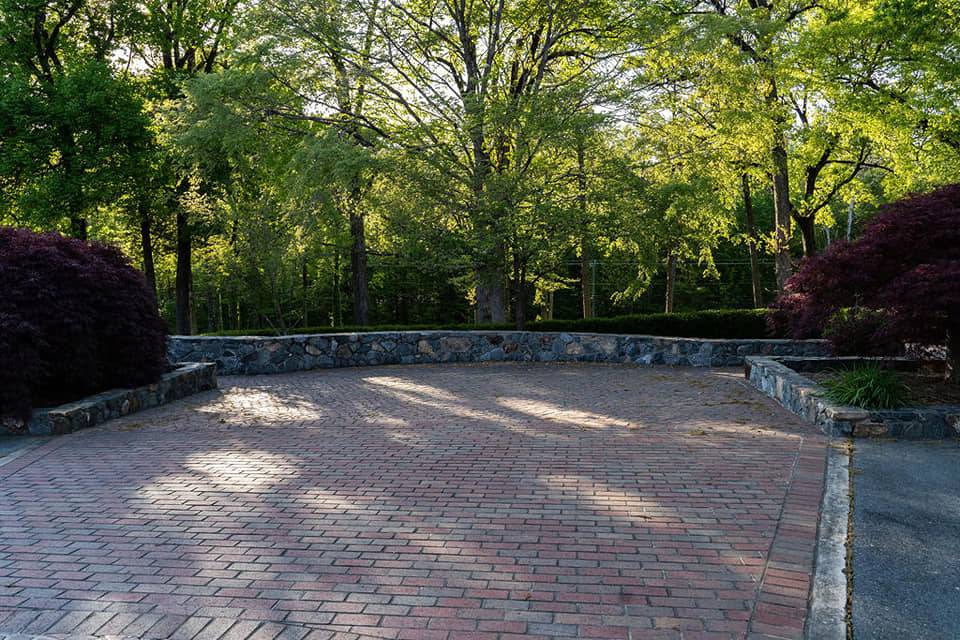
500,501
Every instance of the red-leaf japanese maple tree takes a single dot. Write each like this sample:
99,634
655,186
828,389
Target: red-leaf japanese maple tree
904,268
75,318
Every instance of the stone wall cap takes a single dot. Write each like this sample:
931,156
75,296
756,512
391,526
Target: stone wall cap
842,412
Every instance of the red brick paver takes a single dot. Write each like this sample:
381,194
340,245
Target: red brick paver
498,501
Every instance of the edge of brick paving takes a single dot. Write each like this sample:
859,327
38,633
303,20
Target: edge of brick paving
18,460
10,457
781,605
828,599
59,636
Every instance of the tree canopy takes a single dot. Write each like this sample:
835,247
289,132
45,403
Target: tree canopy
293,164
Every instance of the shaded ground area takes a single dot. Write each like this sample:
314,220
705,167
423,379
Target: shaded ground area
906,553
440,502
13,446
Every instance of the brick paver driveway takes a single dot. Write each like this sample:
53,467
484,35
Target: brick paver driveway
422,502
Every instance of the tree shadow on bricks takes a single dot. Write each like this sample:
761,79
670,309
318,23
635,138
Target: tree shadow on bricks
426,499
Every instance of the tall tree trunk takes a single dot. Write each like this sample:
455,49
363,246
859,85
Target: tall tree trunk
782,206
491,293
782,211
305,283
184,284
78,227
586,272
78,223
213,306
671,281
519,293
807,225
491,276
358,270
850,218
549,306
586,279
752,242
275,295
146,246
403,306
73,188
337,303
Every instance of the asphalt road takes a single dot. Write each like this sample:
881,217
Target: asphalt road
906,527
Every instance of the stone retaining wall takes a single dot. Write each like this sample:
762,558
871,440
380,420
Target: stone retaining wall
780,379
259,355
185,380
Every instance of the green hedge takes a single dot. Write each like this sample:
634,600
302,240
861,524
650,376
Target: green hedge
720,323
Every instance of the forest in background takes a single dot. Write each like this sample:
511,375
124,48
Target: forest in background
295,163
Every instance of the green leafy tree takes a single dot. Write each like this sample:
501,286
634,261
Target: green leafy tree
474,90
895,65
176,41
73,130
743,78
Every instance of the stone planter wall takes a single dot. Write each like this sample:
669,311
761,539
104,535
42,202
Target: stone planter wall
185,380
780,378
260,355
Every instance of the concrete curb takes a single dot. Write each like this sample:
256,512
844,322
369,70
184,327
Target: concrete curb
828,598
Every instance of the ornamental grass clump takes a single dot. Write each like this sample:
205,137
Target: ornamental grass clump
868,387
75,319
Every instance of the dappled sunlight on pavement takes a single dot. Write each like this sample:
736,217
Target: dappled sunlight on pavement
442,502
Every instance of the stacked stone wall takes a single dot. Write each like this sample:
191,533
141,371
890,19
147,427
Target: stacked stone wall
263,355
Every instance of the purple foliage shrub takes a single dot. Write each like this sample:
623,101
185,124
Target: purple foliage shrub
860,331
901,277
75,318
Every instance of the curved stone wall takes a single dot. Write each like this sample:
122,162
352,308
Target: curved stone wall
188,378
783,379
259,355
